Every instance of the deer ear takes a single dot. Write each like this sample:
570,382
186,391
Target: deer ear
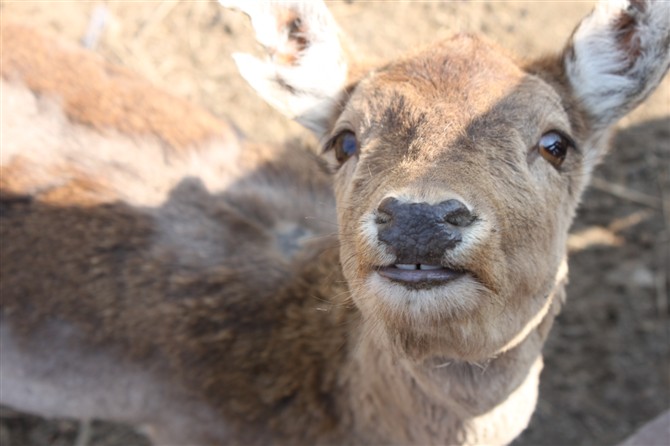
617,56
305,70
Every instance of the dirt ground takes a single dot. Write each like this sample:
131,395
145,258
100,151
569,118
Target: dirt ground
607,360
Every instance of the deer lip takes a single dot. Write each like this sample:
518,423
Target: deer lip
419,275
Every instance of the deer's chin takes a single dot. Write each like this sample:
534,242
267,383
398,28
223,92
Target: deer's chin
450,320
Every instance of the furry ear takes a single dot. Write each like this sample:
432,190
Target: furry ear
617,56
305,70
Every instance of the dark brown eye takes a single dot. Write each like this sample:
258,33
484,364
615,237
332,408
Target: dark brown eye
345,145
554,147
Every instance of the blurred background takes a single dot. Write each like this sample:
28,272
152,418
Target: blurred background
607,360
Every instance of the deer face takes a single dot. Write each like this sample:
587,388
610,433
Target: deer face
457,171
453,209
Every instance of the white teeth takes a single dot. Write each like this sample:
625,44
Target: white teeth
413,266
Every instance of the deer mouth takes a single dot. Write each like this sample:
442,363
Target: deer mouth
419,275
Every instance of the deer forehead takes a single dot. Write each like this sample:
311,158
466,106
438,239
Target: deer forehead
463,87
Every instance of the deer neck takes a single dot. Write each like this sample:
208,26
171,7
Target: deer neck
490,401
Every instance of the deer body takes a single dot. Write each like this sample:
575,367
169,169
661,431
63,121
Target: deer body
160,269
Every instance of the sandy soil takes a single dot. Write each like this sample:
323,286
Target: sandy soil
607,359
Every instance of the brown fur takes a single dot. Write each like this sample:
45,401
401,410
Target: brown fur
99,94
222,279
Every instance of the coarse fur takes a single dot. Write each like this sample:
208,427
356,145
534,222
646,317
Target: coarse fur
160,269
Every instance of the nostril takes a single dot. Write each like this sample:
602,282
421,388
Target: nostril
388,205
382,218
386,210
456,213
451,211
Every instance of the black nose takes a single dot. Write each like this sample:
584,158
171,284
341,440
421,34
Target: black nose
420,233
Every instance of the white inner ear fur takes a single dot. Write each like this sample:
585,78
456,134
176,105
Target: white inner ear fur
301,80
609,78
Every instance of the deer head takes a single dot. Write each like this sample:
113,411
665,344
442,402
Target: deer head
457,169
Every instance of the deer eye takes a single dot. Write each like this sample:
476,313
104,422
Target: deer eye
553,147
345,145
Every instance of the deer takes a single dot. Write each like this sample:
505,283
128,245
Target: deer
394,284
